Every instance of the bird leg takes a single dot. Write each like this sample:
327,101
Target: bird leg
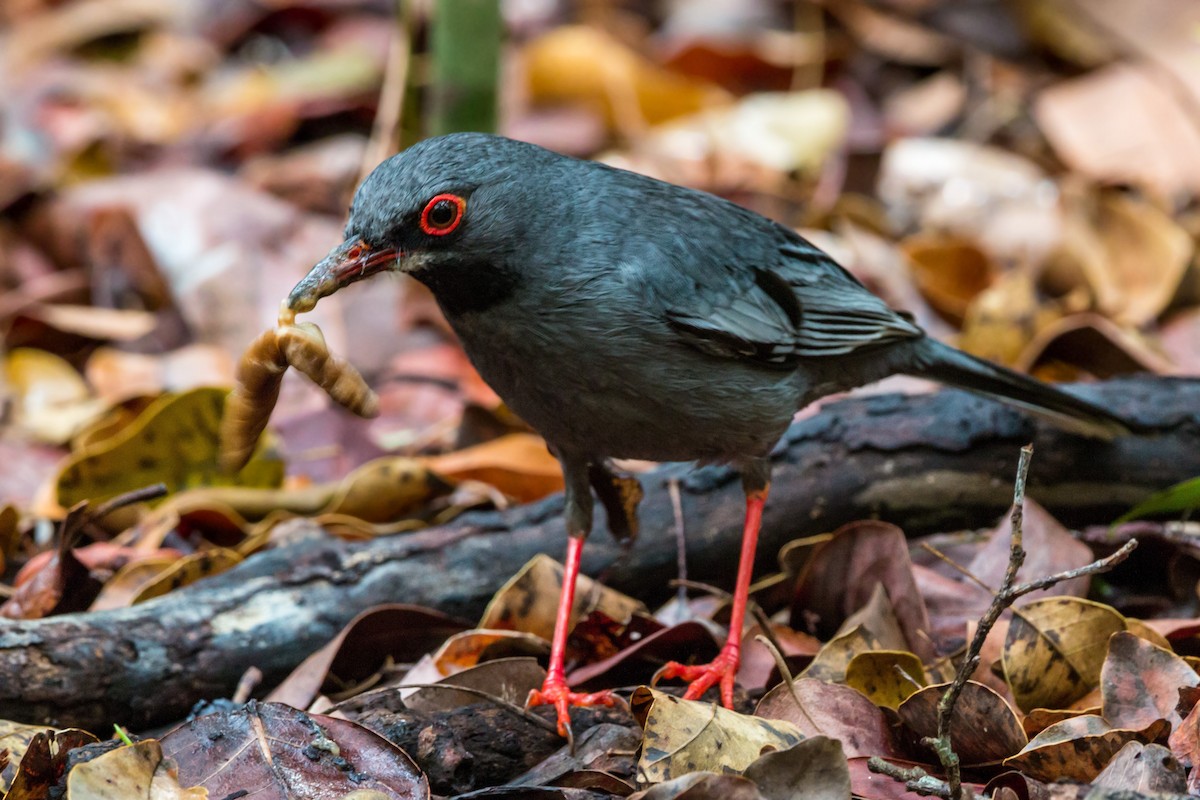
554,689
723,669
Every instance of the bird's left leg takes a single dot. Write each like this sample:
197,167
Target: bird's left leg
578,514
756,481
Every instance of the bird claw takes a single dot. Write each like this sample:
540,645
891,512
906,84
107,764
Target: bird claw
556,692
701,677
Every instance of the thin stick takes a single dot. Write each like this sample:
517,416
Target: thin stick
680,541
1010,591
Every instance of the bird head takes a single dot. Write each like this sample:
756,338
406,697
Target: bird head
452,211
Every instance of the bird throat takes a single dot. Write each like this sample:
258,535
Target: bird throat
467,286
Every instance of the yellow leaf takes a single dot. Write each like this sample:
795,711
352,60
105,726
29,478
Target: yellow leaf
1055,649
886,676
683,736
173,441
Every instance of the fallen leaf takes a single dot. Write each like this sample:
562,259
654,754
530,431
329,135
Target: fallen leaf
276,752
683,736
818,708
37,757
1141,681
950,272
1112,239
586,65
137,770
1147,769
984,728
1055,649
519,464
886,677
402,633
528,602
1154,124
812,769
187,570
1078,749
508,679
842,574
174,441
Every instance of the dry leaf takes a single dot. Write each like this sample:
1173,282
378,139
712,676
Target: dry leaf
518,464
1078,749
683,736
585,65
818,708
528,602
1147,769
173,441
1153,141
1130,253
1055,650
137,770
887,677
984,728
1141,682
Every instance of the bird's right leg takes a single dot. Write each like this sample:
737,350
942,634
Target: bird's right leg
578,514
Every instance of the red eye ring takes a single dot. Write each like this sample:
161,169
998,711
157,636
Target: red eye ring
442,214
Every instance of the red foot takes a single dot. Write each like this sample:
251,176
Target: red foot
556,692
701,677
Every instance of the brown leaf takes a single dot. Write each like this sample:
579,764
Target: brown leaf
585,65
509,679
276,751
1147,769
138,770
1078,748
1154,124
984,728
1050,548
829,709
1055,649
1141,682
401,632
841,575
528,602
949,272
41,763
812,769
683,736
519,464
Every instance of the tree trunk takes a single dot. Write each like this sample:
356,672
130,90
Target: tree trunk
930,462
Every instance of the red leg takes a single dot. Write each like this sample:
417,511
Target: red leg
724,667
554,689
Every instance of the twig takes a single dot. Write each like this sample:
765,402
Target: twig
915,779
1008,594
680,541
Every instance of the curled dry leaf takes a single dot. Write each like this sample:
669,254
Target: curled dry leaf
1078,748
260,374
583,64
984,728
138,770
1147,769
1131,254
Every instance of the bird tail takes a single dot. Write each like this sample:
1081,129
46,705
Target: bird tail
955,368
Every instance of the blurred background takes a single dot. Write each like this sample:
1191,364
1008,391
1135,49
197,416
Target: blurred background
1020,174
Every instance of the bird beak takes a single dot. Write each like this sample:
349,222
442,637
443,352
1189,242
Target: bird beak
350,261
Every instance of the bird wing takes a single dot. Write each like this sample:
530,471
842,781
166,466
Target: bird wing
804,306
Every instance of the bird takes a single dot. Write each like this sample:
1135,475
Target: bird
624,317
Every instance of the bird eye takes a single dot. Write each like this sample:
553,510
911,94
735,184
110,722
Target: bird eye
443,214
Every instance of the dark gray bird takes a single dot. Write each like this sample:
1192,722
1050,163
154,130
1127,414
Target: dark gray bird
625,317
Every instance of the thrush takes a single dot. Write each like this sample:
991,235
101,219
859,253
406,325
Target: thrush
626,317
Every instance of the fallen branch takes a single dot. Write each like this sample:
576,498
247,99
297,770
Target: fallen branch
927,463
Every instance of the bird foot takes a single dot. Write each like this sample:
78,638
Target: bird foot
556,692
700,677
